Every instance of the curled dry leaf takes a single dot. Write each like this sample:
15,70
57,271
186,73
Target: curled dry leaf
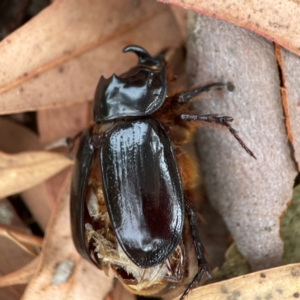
58,56
276,20
276,283
251,195
63,274
22,171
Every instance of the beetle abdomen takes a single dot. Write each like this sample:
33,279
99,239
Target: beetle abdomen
143,190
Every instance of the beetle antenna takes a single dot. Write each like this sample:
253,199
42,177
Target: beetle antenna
223,120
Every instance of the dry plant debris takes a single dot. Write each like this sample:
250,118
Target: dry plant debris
276,20
277,283
40,165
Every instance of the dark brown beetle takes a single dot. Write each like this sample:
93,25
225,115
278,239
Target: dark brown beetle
130,207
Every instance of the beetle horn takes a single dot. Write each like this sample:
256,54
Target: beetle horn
144,57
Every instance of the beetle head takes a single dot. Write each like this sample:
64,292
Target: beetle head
138,92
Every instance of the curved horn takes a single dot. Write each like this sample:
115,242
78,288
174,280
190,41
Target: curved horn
144,57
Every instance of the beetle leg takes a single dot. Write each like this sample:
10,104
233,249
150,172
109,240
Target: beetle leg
199,249
68,142
215,119
184,97
71,140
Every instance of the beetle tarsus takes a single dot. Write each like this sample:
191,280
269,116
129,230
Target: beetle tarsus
198,277
221,120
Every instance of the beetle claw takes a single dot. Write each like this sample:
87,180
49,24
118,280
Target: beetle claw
197,278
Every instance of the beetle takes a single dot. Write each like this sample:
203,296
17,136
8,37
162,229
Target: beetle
132,183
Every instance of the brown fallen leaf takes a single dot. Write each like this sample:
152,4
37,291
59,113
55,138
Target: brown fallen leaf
22,275
57,57
276,20
20,237
15,138
180,16
13,233
119,293
251,195
277,283
58,123
63,274
19,172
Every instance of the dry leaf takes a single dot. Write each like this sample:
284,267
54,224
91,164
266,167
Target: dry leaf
63,122
180,16
276,20
20,237
119,293
251,195
22,275
277,283
22,171
58,56
63,274
12,256
15,138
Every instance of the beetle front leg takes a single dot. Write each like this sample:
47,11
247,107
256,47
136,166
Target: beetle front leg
184,97
199,249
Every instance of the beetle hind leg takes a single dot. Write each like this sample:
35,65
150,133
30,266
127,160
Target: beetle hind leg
199,249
